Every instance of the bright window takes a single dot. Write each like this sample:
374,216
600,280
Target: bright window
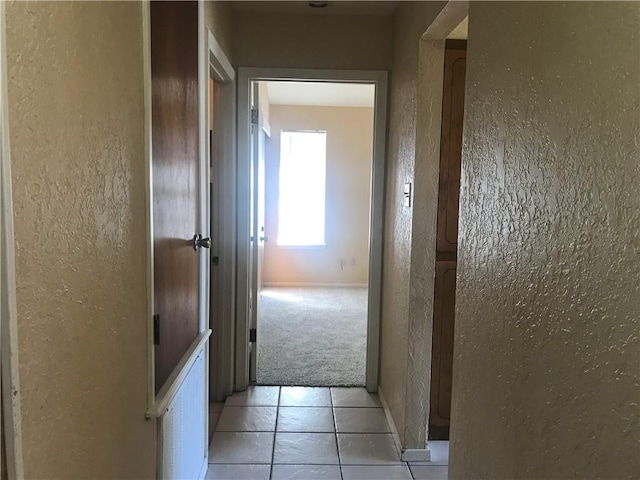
303,165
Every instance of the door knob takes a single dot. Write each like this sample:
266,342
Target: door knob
199,242
264,239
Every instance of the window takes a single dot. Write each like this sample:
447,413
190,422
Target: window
302,188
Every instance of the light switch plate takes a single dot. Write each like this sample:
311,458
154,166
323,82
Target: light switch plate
407,194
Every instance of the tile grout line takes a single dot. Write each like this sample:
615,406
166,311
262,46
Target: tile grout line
275,430
335,432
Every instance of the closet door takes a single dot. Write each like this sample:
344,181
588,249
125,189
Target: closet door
447,238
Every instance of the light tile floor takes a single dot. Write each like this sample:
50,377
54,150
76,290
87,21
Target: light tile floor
308,433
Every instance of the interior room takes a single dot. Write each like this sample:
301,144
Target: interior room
318,163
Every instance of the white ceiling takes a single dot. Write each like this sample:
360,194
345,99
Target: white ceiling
334,7
321,94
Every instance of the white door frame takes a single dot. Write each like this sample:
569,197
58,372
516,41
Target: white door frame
380,79
224,239
11,411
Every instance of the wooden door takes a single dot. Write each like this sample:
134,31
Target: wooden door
447,238
174,72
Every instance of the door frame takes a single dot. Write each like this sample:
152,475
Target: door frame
222,320
424,216
11,413
380,79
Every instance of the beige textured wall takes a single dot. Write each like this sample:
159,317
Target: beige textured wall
348,187
411,21
219,20
547,360
312,41
77,141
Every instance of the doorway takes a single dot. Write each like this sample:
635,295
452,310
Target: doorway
447,238
311,210
256,138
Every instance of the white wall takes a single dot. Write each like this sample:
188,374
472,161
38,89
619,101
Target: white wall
348,184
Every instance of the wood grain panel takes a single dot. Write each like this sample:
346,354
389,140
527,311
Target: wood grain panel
442,353
451,149
447,239
174,71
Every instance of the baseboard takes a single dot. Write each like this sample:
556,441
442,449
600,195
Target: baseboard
205,466
416,455
408,454
392,424
314,285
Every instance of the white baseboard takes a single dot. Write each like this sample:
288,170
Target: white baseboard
416,455
205,467
408,454
314,285
392,425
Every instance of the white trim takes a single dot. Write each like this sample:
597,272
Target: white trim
416,455
173,383
11,394
392,425
380,79
409,454
223,239
204,172
218,61
205,465
148,185
204,213
243,227
377,231
314,285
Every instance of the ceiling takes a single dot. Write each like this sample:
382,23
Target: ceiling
321,94
334,7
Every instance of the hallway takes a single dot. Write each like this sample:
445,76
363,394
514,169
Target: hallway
312,433
130,245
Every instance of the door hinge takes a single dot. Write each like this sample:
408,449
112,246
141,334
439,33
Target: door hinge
156,329
253,335
254,116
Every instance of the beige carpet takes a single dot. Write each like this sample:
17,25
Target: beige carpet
312,337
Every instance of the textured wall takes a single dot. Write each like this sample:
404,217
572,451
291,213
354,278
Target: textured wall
348,194
411,21
312,41
546,372
77,140
219,20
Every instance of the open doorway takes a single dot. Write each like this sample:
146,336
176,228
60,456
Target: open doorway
455,54
444,51
280,251
312,214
